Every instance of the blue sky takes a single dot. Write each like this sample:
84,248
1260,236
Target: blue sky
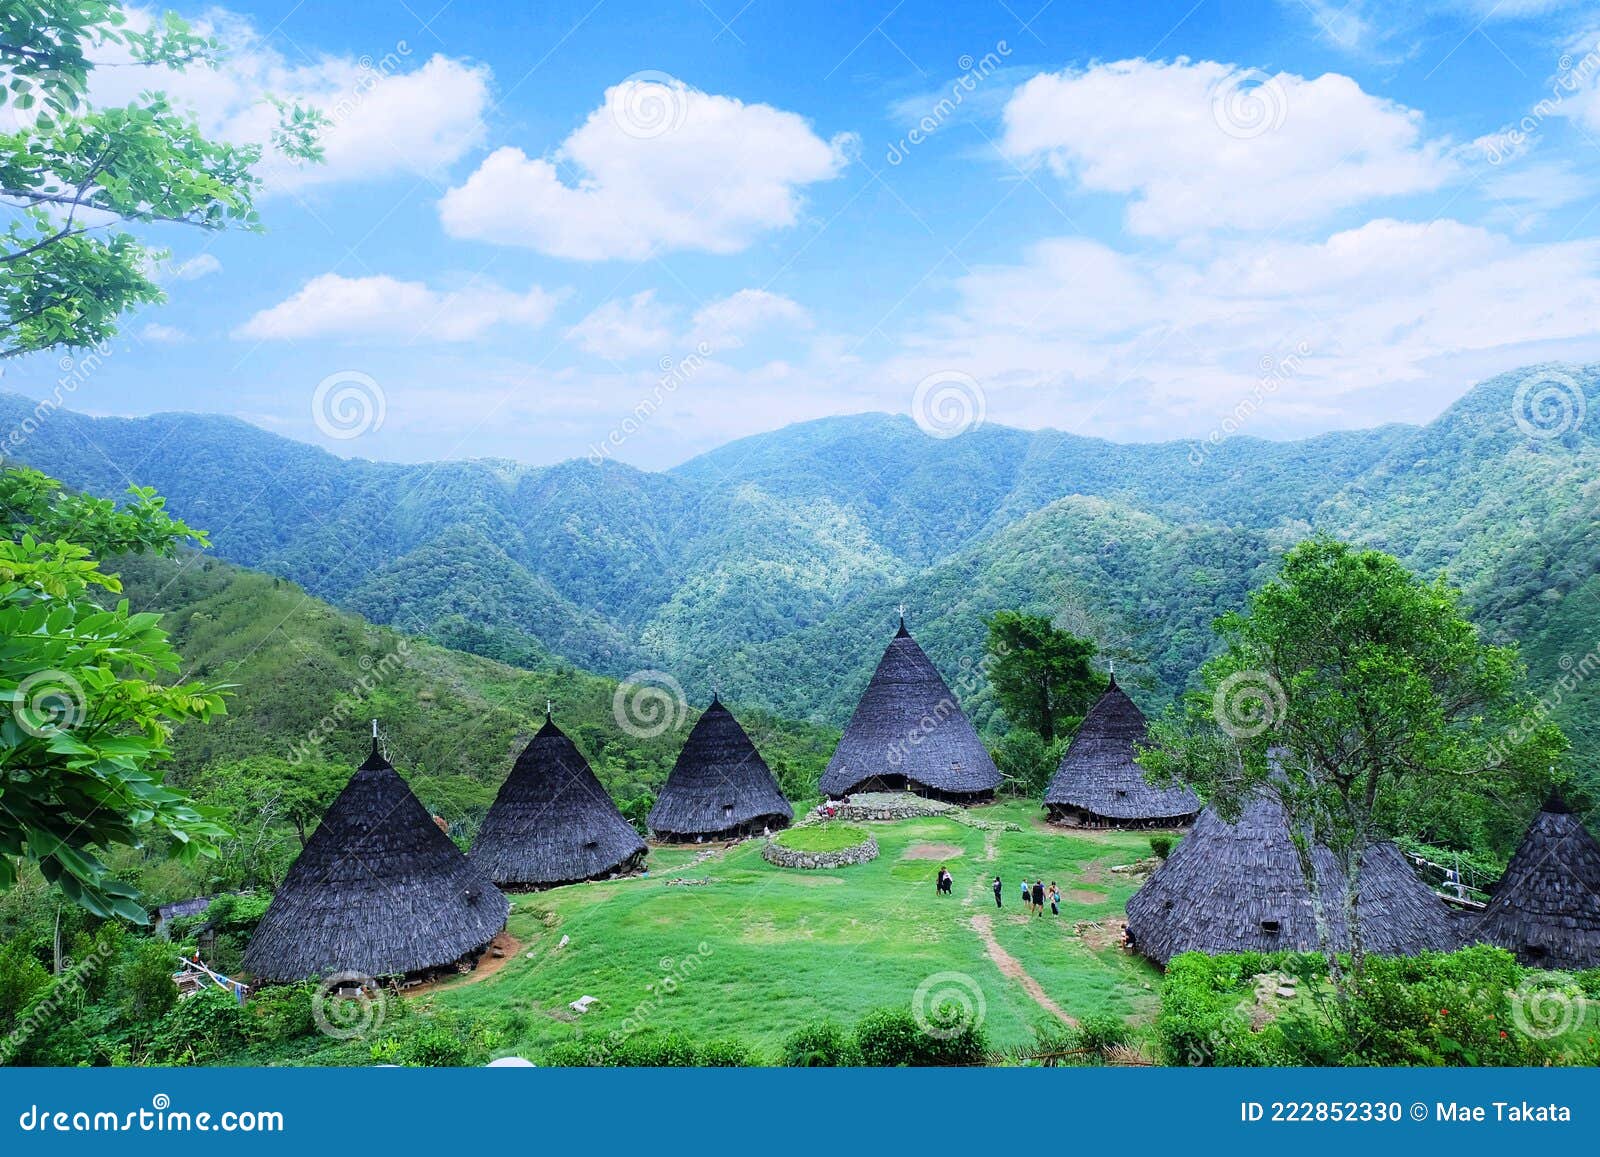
639,230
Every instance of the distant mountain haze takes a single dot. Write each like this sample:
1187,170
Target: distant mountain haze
772,566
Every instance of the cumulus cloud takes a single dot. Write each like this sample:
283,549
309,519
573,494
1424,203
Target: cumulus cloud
725,323
384,308
1201,146
626,328
1151,344
395,113
659,166
163,334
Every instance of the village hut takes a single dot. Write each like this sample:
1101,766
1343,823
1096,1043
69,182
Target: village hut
909,733
1239,888
1098,784
1546,908
720,787
552,823
378,890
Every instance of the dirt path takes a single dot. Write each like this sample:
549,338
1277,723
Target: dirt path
488,965
1010,966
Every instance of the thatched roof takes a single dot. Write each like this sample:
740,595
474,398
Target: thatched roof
909,725
720,782
1098,775
552,822
1546,907
1238,888
379,890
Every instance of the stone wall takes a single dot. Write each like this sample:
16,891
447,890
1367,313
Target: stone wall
776,853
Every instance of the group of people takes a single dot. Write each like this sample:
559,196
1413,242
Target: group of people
1034,896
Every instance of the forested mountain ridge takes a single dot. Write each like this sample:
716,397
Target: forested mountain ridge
772,565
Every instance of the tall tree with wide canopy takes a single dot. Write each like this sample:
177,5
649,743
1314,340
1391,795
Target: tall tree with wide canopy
1346,683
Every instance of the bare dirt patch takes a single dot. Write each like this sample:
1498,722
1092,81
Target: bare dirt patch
1011,968
488,964
933,852
1084,896
1099,935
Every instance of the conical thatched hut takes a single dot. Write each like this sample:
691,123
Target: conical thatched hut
1098,784
1546,908
553,823
910,732
720,786
1238,888
379,890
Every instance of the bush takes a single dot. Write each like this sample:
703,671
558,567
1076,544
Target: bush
820,1044
21,979
434,1046
201,1029
1101,1031
144,982
891,1037
1163,844
279,1013
723,1054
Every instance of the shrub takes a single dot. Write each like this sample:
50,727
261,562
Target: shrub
1101,1031
145,982
1162,844
199,1029
723,1054
279,1013
820,1044
434,1046
21,979
890,1037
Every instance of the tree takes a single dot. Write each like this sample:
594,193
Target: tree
77,177
1362,682
86,718
1043,678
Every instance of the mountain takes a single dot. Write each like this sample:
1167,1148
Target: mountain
771,566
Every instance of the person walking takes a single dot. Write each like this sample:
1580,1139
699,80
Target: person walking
998,888
1027,894
1055,899
1038,897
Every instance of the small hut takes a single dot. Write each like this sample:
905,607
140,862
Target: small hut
552,823
1098,784
720,787
909,732
1546,908
1238,888
379,890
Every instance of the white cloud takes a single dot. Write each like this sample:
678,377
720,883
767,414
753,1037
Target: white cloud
1149,345
725,323
387,309
163,334
196,267
1197,151
626,328
658,167
394,114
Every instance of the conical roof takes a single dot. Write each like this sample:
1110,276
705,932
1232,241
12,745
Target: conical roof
720,782
552,822
1239,888
909,723
1098,773
378,890
1546,908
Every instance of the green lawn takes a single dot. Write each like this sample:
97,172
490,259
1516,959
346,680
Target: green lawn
831,837
760,950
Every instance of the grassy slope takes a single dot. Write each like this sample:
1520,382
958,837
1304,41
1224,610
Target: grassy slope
777,948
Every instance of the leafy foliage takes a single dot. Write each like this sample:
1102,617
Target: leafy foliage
1044,678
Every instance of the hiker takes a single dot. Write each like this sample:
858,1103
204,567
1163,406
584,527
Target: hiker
942,883
1055,899
998,888
1038,897
1027,894
947,881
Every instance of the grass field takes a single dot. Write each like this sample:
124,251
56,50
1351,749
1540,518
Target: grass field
758,950
834,837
